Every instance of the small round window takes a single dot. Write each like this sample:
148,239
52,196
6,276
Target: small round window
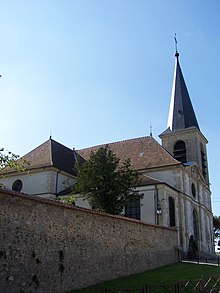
17,185
193,189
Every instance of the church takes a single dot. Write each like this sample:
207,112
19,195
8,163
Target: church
174,174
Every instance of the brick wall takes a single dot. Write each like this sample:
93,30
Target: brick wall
49,247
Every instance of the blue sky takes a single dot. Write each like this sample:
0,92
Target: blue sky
97,71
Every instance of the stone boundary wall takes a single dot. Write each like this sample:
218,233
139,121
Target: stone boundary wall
50,247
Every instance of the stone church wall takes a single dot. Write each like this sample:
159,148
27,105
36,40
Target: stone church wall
48,247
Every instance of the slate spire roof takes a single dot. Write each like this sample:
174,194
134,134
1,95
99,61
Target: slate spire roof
181,113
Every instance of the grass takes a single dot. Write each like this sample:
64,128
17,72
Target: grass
168,274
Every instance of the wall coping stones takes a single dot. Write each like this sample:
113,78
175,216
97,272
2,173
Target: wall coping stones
65,206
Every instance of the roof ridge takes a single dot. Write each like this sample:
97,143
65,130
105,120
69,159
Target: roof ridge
116,142
51,151
45,142
51,139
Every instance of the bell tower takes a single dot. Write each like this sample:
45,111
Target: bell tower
183,138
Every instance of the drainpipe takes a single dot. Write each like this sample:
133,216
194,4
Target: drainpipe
76,159
57,182
156,206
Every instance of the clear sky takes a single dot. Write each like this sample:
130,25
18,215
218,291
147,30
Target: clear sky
89,72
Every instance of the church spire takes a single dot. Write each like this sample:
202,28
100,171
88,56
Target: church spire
181,113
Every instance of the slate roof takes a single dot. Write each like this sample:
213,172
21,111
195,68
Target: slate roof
52,153
181,113
144,153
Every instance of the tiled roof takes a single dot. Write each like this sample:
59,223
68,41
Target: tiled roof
144,153
51,153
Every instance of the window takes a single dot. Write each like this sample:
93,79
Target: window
17,185
179,151
172,211
132,209
193,190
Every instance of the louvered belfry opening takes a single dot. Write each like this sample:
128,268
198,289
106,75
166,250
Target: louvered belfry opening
179,151
204,162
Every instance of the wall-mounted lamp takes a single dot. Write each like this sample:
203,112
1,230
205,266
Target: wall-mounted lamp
159,210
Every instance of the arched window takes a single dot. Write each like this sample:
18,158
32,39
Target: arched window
172,211
179,151
195,226
203,161
193,190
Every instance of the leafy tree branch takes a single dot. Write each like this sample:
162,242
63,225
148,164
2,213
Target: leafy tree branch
107,183
11,161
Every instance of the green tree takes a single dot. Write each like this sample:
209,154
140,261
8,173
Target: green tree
9,160
216,226
107,183
68,199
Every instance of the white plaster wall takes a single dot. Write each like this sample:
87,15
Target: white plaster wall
201,195
32,184
172,177
208,201
82,203
187,184
163,175
189,216
169,192
204,196
182,180
209,233
42,183
183,221
177,212
208,236
63,181
203,226
163,200
148,205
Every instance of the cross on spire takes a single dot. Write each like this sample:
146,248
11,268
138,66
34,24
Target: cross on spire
175,39
175,42
151,130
